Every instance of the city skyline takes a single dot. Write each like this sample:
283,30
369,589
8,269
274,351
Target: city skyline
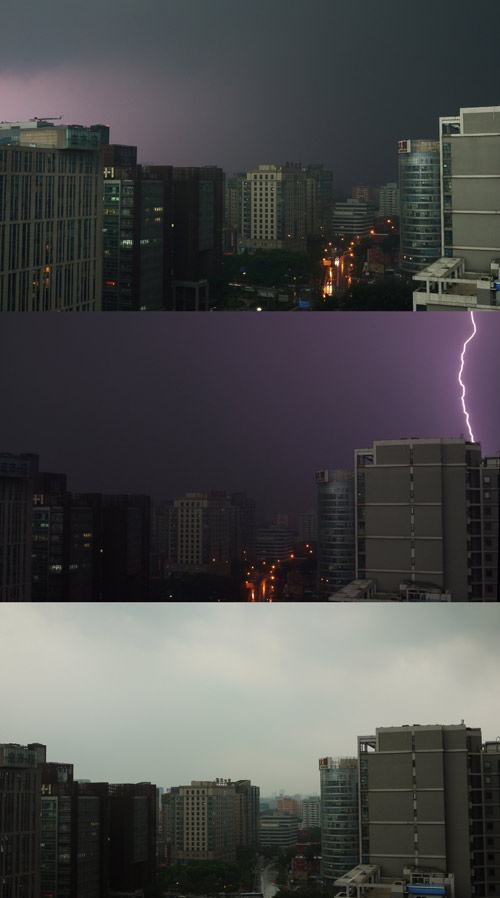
171,693
253,403
241,84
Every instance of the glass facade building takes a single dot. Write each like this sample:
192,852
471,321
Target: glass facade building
336,544
420,198
338,816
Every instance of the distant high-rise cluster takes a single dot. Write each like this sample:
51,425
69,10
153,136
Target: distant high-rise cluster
62,837
204,532
57,545
278,206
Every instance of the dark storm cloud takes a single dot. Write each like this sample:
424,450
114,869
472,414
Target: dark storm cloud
166,403
239,83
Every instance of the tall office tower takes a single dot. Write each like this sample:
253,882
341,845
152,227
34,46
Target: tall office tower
338,816
50,219
353,218
74,834
132,836
19,822
203,533
247,814
125,531
311,812
388,204
419,193
16,501
199,821
197,242
136,226
336,543
65,556
419,518
420,802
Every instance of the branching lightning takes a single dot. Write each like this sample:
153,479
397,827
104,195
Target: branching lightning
460,375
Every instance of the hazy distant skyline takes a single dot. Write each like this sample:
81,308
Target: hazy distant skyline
236,83
171,693
166,403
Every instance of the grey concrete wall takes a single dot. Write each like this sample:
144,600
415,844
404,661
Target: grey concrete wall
388,520
381,488
476,193
477,122
393,554
475,155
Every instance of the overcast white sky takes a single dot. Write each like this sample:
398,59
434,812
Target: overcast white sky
170,693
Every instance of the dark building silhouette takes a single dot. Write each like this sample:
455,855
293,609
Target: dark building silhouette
86,546
137,232
132,836
198,216
16,491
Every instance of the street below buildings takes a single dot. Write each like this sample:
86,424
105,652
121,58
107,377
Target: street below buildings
268,885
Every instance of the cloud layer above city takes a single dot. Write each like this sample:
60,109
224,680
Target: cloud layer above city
240,83
167,694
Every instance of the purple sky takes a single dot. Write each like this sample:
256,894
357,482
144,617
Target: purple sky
163,403
240,82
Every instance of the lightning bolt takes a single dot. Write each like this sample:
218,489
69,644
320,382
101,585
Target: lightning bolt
460,375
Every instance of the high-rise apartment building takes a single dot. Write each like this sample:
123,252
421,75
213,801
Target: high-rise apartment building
204,532
388,204
421,517
420,803
19,821
419,193
311,812
274,208
470,186
336,543
16,515
467,276
338,816
199,821
50,217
